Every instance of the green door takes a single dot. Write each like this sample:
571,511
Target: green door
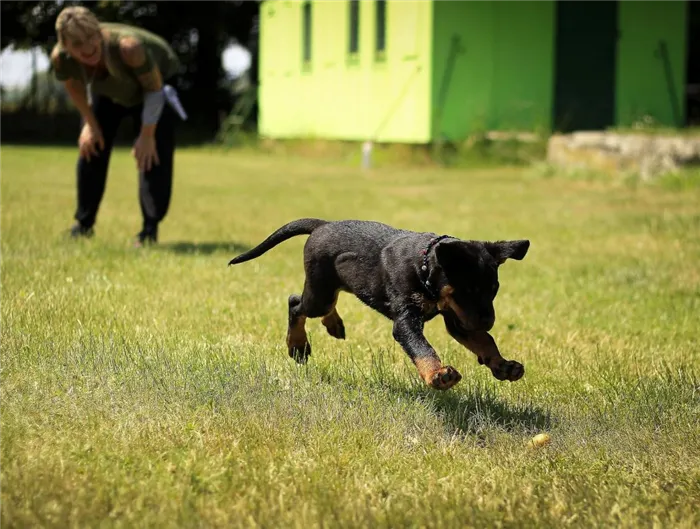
584,76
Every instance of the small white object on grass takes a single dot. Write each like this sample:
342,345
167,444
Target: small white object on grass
541,439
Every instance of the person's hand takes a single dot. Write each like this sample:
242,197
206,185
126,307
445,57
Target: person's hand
90,138
145,152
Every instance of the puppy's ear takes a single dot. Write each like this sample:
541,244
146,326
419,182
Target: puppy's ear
502,250
454,255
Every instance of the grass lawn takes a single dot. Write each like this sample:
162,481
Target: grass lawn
153,387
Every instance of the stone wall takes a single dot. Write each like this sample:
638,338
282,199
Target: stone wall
648,155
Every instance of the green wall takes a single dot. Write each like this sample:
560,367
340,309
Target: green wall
338,97
462,68
642,86
502,74
524,62
451,68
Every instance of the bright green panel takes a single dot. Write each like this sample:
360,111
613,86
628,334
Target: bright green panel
462,68
523,82
338,97
280,25
493,67
647,84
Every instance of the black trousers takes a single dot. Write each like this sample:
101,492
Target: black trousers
155,186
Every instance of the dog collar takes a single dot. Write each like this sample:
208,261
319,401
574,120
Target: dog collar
425,268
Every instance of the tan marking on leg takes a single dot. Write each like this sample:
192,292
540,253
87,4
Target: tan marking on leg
485,348
435,375
427,367
331,318
333,322
296,334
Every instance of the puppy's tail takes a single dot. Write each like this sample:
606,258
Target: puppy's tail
289,230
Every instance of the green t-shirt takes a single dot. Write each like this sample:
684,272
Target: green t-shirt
121,83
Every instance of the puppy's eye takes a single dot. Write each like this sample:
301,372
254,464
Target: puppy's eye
495,287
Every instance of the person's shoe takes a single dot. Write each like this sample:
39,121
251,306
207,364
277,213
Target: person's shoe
146,237
78,231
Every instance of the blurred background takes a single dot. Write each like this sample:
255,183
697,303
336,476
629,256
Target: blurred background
217,43
413,72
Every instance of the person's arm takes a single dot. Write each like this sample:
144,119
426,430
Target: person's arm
91,133
137,57
76,89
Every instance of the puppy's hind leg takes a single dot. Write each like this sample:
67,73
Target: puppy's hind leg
317,301
333,322
297,341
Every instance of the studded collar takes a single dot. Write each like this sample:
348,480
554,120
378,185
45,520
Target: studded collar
424,273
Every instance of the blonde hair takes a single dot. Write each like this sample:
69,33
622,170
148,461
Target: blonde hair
76,23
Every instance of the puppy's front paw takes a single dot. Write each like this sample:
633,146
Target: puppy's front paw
444,378
508,370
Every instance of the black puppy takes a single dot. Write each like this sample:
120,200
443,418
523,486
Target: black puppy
410,278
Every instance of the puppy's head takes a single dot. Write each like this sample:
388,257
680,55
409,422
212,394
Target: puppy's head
471,272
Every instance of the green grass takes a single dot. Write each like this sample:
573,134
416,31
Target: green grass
153,388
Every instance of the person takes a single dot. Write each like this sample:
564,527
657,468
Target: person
111,72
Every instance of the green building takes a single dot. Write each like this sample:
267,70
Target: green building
415,71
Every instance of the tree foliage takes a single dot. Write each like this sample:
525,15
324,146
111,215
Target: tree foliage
197,31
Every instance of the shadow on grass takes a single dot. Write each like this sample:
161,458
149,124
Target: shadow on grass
473,407
203,248
478,409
